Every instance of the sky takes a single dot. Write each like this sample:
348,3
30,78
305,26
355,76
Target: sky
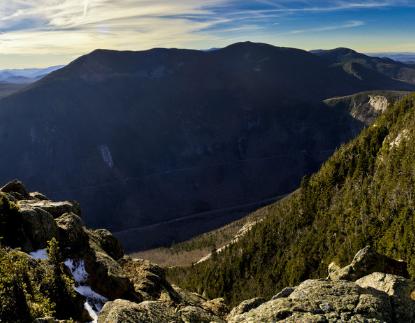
40,33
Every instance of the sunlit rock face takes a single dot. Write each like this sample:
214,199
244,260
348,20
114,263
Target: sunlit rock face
379,103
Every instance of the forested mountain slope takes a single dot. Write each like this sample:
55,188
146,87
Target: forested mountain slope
364,194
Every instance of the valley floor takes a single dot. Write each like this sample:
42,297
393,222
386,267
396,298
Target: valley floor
191,251
188,252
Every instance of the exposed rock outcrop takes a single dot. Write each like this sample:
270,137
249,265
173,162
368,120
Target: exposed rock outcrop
107,242
189,297
72,236
285,292
122,311
400,290
322,301
247,306
216,306
365,262
366,106
134,290
378,102
108,278
16,189
39,227
56,209
355,293
30,221
149,280
193,314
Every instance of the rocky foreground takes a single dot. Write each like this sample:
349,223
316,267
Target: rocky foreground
112,287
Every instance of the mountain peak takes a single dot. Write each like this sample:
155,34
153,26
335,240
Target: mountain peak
343,50
336,52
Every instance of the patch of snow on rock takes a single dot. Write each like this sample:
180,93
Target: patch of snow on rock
87,291
77,269
378,102
91,312
41,254
94,301
106,155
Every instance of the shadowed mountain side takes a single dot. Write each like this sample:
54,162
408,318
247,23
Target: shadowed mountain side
141,138
7,89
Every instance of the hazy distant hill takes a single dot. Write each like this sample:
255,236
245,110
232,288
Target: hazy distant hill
14,80
400,57
143,138
25,76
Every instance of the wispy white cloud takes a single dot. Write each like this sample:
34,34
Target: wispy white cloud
86,5
73,27
286,7
76,26
346,25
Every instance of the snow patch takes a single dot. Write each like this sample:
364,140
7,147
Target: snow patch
106,155
91,312
87,291
41,254
78,270
94,301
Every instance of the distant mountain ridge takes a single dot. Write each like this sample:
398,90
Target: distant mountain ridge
373,70
15,80
405,57
142,138
25,76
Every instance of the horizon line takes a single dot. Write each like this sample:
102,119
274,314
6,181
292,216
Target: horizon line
369,53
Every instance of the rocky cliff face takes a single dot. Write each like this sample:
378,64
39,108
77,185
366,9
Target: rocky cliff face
99,283
91,269
366,106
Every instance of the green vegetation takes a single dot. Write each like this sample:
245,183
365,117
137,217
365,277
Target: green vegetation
23,286
60,285
191,251
364,194
30,288
9,221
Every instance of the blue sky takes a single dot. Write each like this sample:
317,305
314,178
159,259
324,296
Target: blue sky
37,33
